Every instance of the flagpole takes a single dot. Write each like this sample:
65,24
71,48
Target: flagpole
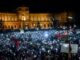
69,52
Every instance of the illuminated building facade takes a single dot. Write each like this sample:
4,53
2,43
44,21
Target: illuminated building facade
23,19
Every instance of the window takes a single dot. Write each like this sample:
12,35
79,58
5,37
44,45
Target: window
32,18
42,18
39,18
11,27
15,26
35,18
8,18
48,25
23,18
5,18
5,26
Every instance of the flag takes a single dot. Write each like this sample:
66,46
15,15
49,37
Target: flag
16,41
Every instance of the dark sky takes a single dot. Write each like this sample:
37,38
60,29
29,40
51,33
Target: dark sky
41,5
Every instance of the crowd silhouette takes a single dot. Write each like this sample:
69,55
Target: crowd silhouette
38,45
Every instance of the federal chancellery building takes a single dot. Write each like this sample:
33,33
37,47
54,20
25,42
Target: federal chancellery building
24,19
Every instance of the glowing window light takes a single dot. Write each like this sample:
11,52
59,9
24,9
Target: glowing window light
23,18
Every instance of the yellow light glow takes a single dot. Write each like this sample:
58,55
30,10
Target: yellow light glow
23,18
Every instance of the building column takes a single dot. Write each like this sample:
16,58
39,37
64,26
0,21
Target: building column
22,25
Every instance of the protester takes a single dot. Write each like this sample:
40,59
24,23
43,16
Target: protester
36,45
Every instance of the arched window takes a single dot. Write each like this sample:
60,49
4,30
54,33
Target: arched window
12,27
9,27
49,25
44,25
15,26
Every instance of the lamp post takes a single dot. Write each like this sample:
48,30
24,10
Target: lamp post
70,49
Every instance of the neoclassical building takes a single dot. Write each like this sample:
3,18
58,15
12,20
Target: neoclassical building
23,19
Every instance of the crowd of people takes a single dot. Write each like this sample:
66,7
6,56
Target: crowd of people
38,45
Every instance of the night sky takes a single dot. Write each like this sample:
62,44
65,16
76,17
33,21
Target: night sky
40,5
50,6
